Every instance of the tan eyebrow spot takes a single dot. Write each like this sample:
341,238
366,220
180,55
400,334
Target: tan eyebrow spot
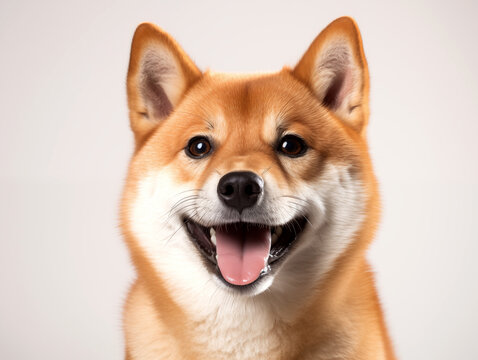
269,127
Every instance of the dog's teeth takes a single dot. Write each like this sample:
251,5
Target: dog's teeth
279,230
213,236
274,238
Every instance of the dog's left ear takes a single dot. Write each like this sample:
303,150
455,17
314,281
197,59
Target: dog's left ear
335,69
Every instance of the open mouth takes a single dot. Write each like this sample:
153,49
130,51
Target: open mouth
244,252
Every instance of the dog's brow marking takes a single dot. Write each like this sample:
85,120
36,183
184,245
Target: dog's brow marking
283,111
210,125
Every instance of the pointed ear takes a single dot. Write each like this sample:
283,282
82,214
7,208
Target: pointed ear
335,69
159,74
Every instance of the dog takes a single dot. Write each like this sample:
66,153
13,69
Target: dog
249,205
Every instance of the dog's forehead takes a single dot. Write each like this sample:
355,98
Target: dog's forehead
246,101
258,109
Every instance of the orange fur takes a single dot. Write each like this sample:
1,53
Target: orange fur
342,319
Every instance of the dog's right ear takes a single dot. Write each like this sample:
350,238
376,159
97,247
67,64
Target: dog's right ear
159,74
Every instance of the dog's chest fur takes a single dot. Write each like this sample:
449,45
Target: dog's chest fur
238,330
234,331
252,336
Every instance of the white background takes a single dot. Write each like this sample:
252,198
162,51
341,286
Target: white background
65,144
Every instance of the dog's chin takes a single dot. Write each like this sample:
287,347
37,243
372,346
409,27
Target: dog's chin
270,243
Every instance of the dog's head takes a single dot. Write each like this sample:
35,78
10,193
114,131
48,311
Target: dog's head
247,183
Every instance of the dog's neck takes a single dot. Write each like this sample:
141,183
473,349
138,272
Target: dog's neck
261,327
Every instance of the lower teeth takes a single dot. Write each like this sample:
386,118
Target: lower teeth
265,270
274,238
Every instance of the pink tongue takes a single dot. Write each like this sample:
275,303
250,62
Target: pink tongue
242,254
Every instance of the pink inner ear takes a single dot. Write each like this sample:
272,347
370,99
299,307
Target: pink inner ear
154,72
339,88
346,87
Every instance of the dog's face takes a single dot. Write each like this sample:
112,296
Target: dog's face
241,184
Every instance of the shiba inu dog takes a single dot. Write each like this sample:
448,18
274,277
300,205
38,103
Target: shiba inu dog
248,207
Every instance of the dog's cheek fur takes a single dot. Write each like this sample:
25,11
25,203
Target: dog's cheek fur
337,203
158,230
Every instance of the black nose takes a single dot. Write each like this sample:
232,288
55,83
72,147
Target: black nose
240,189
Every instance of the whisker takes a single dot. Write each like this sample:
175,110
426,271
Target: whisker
174,209
182,201
175,232
294,197
307,219
182,192
182,209
266,170
299,206
291,206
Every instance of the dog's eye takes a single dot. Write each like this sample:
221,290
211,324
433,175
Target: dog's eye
292,146
198,147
